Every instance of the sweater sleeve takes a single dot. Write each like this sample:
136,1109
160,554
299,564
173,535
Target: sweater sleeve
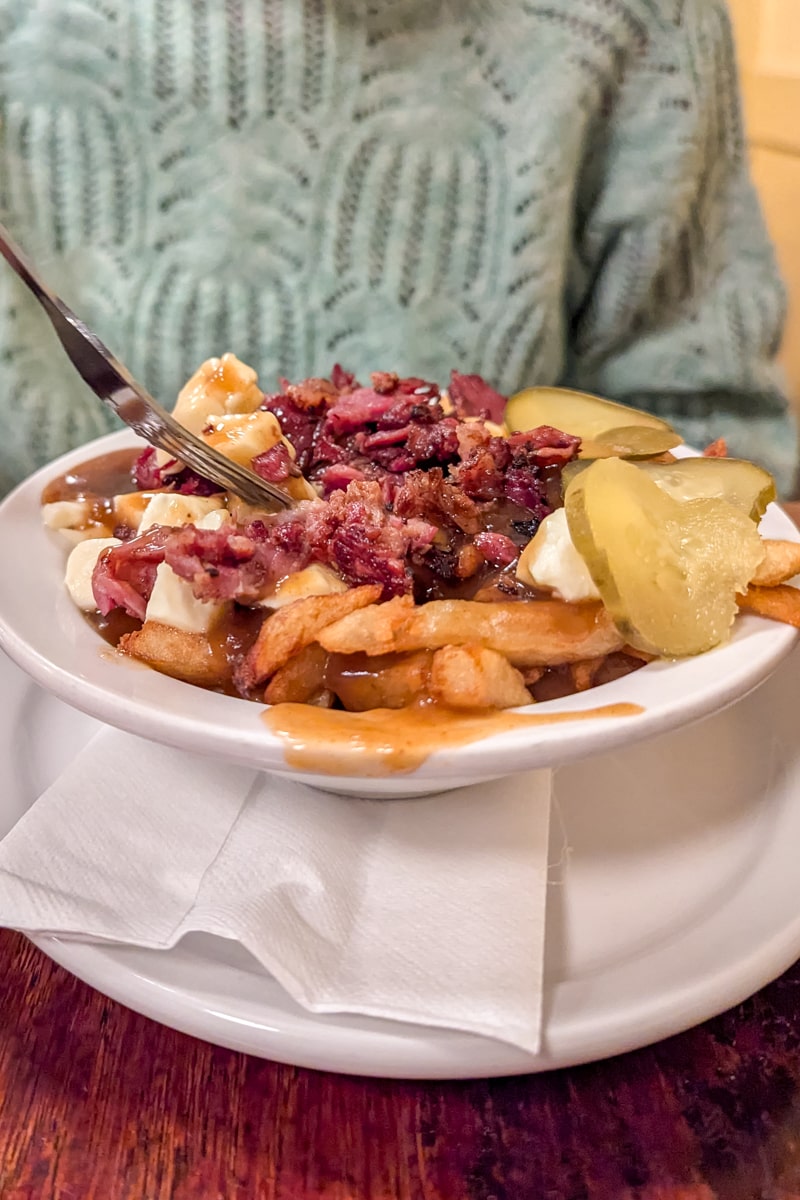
675,303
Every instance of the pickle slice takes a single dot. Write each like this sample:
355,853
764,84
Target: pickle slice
606,427
667,570
744,485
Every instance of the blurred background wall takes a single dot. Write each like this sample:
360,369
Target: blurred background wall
768,39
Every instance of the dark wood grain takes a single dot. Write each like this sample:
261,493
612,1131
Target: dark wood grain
97,1103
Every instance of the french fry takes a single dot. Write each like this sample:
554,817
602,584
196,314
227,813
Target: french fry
781,562
301,680
781,603
187,656
528,633
294,627
473,677
390,681
374,631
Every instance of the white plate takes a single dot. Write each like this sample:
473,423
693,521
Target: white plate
45,634
675,894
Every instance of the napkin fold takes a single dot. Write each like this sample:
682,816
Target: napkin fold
430,911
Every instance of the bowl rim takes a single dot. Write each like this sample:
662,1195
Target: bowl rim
66,657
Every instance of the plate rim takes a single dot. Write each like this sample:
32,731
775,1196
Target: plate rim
306,1042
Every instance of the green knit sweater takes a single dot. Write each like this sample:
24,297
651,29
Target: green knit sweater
541,191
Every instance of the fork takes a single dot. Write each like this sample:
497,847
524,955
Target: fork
116,387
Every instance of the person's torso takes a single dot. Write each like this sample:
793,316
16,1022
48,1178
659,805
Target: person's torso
305,181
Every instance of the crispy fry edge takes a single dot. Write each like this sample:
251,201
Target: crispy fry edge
294,627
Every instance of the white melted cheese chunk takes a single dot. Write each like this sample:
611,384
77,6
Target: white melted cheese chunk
315,580
172,601
219,386
550,561
242,437
129,507
71,519
65,514
171,508
214,520
221,403
80,568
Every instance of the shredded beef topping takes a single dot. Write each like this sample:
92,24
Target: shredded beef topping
473,397
428,495
353,533
311,393
146,471
355,410
393,426
148,475
497,549
384,381
341,379
337,477
189,483
276,465
412,498
298,422
124,575
226,564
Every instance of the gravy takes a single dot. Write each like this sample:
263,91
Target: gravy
385,741
96,482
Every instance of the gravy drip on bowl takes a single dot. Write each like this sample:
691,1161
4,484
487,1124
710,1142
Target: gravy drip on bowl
395,741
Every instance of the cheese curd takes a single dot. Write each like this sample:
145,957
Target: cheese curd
243,436
171,600
129,507
172,603
65,514
171,508
214,520
80,568
550,561
72,521
219,386
315,580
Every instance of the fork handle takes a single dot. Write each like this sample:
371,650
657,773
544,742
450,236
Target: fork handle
72,333
115,387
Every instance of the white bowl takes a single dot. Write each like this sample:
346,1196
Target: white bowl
42,631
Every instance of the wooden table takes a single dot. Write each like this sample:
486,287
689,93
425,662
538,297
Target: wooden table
97,1103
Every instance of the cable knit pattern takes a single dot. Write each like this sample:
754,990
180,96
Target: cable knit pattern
538,190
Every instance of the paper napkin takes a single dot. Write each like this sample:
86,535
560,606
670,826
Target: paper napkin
429,910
